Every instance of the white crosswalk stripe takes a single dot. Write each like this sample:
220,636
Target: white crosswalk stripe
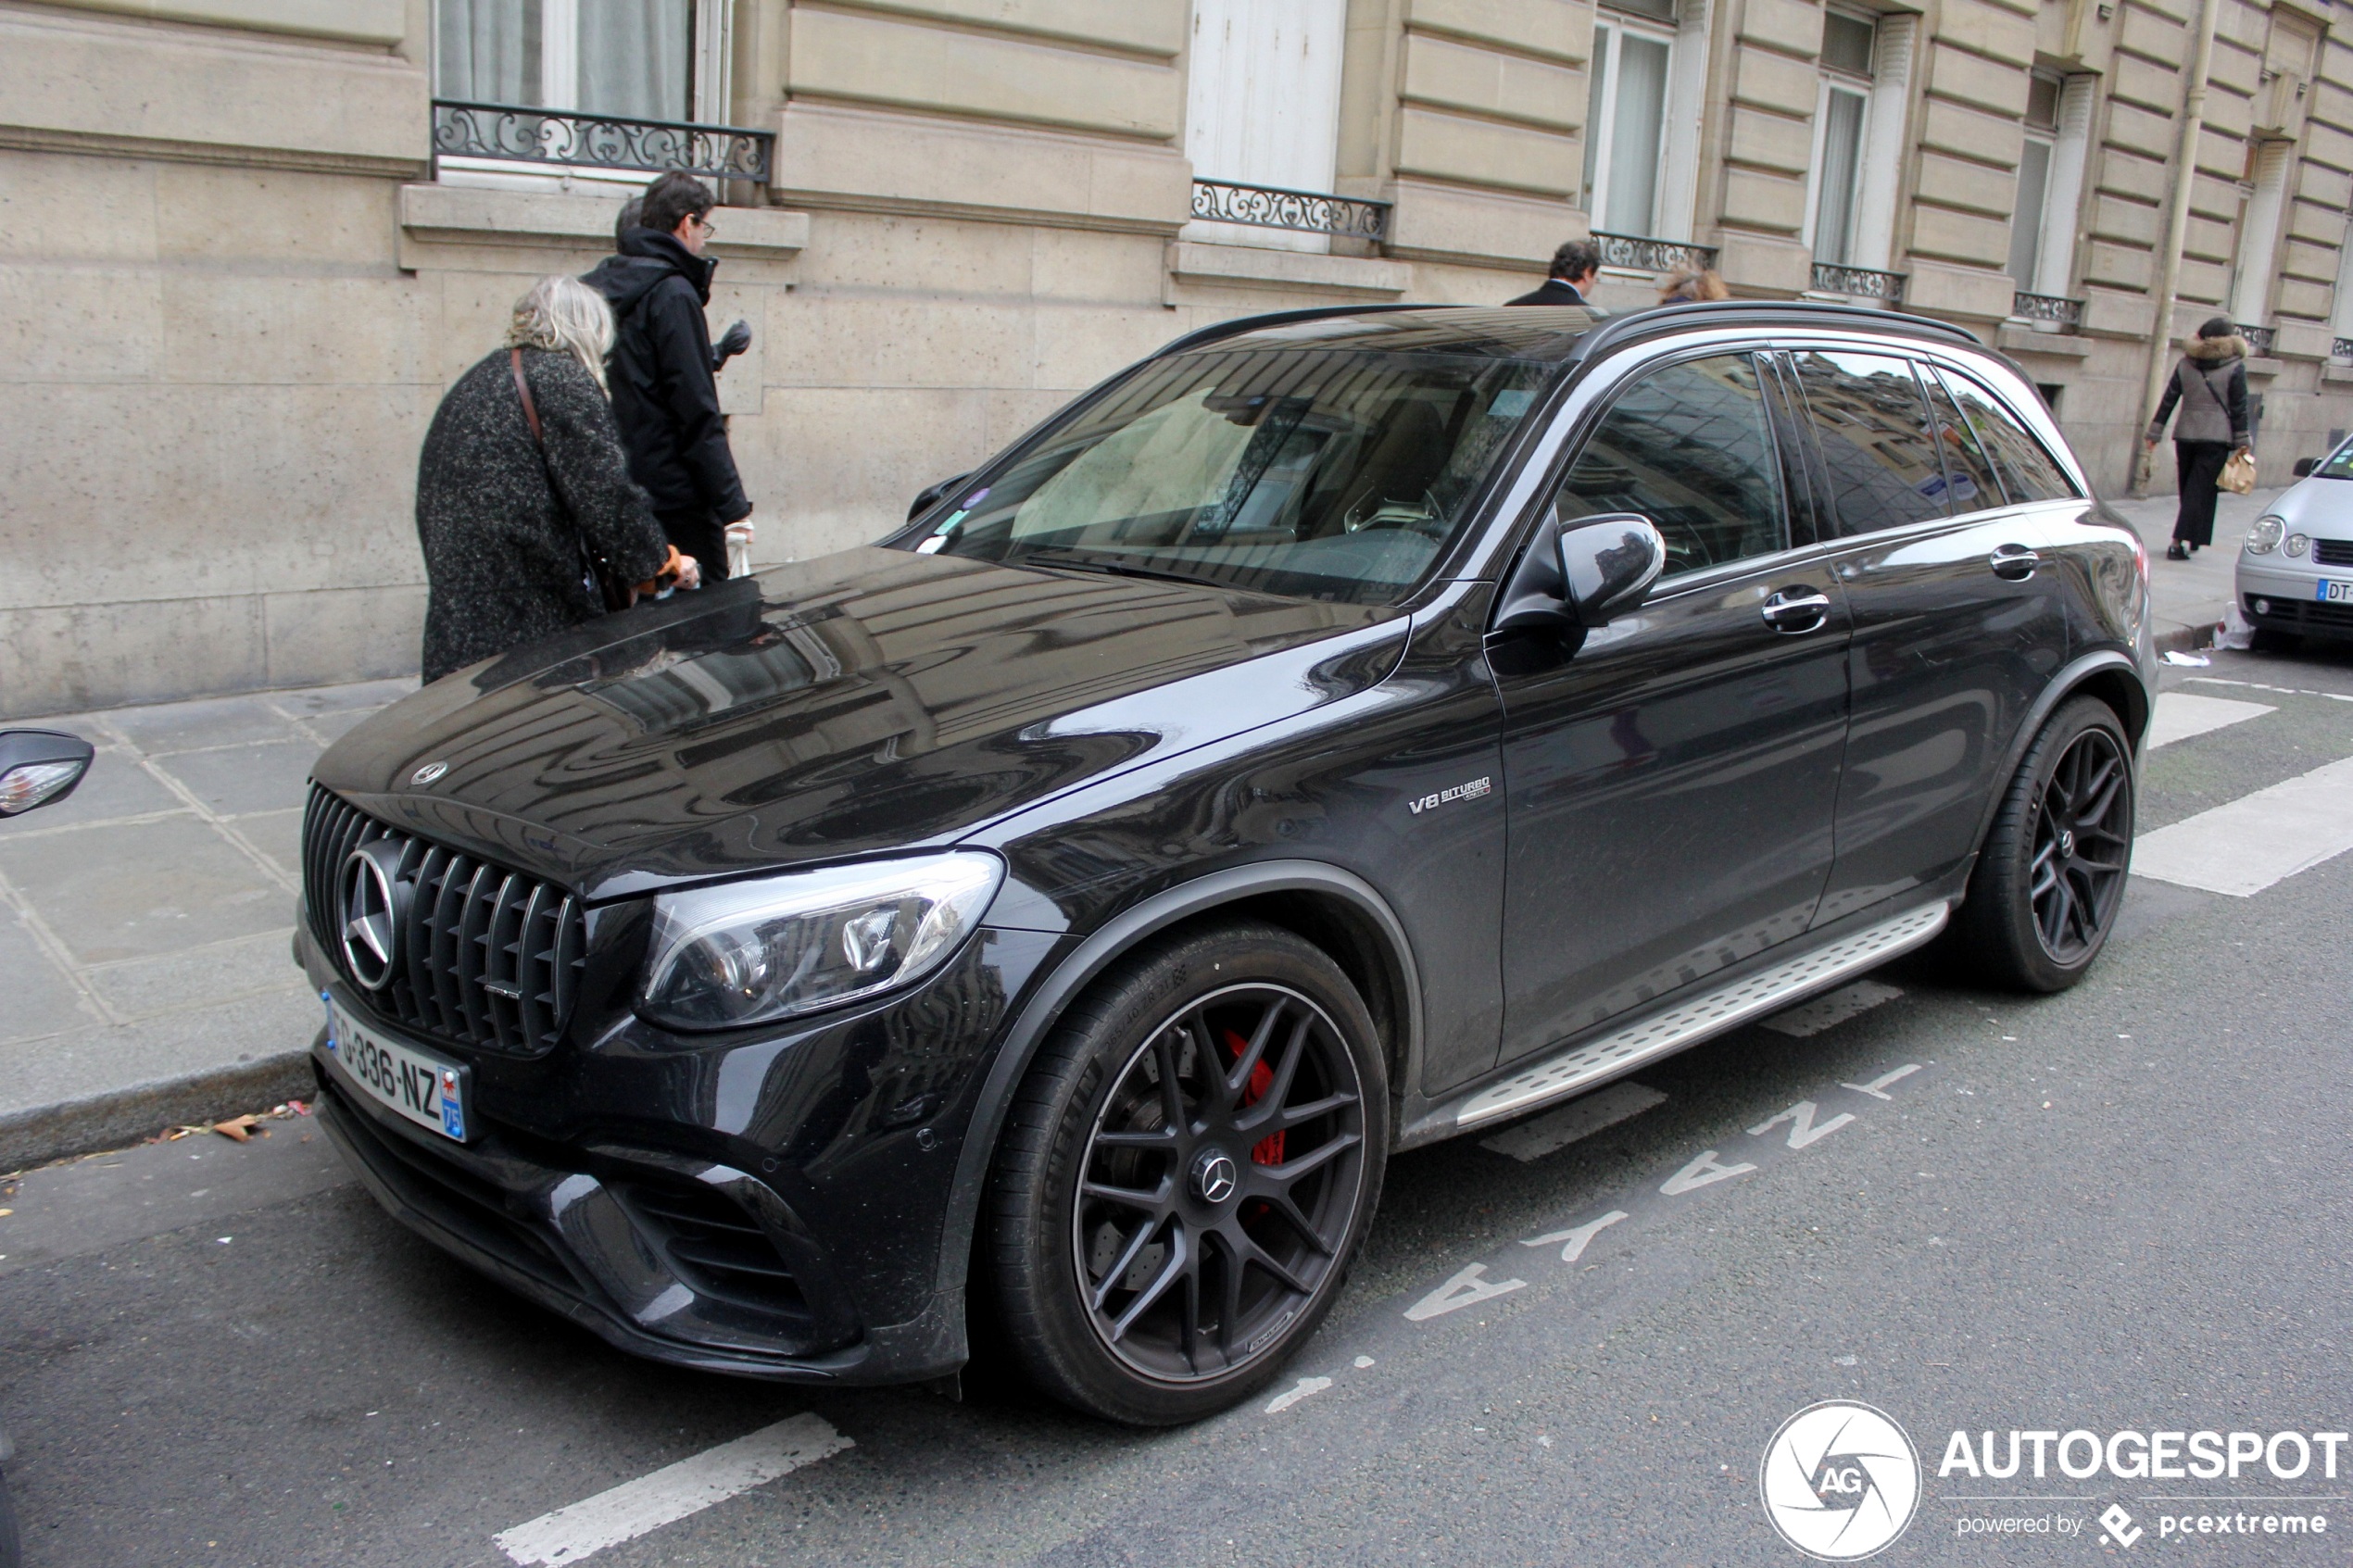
2244,847
672,1493
2181,715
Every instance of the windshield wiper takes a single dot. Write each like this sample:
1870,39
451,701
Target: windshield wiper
1075,561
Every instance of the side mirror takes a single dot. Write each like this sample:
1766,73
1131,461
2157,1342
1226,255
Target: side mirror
38,766
2303,467
1576,575
929,497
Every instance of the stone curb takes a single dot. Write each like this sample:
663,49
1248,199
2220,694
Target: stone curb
121,1117
2186,639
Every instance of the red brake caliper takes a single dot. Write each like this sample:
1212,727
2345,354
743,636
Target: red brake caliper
1269,1149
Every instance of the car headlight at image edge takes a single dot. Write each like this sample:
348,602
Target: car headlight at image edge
753,952
2264,537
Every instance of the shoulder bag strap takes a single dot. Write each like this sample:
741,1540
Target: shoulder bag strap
530,409
594,573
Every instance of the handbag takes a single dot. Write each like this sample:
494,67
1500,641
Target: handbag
2238,474
596,574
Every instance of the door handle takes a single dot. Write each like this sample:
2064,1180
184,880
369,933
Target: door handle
2014,563
1797,609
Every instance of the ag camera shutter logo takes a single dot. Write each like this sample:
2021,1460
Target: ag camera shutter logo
1840,1481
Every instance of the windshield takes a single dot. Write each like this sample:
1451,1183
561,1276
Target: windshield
1314,473
2338,464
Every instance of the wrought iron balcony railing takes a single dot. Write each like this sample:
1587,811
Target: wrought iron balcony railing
1271,207
2259,338
2341,348
1858,282
2068,314
510,134
1639,253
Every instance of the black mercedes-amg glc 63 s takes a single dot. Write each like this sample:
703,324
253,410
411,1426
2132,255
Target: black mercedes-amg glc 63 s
1342,729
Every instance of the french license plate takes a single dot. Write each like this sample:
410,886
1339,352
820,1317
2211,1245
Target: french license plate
426,1090
2332,591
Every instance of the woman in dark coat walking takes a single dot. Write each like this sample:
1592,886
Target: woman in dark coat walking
502,511
2210,385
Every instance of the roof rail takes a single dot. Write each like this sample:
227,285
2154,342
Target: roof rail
1614,330
1273,319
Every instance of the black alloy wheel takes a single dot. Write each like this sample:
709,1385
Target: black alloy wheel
2050,878
1186,1175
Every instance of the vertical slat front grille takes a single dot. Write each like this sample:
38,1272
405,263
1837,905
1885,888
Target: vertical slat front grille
487,956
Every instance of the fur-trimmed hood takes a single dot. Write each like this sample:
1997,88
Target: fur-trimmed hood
2215,350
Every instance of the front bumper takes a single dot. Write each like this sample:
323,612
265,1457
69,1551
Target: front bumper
2288,594
770,1206
614,1255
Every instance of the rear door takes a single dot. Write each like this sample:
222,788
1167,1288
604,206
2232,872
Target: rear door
1956,622
1670,784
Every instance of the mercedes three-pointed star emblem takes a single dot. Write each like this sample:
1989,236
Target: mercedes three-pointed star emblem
367,902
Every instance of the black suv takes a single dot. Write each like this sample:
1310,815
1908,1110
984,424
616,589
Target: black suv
1341,731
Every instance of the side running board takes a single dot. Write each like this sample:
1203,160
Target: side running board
1662,1033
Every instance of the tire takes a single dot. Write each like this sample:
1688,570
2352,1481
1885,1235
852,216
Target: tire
2050,877
1153,1269
2270,639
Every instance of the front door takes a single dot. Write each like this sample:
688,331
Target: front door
1957,623
1671,783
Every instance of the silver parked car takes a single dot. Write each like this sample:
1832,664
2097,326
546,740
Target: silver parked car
2296,570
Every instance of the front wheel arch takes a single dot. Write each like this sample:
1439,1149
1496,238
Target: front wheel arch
1345,910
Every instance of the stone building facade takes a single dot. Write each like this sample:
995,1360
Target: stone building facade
247,243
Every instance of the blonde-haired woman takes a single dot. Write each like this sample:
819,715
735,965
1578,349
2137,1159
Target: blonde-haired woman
523,492
1688,285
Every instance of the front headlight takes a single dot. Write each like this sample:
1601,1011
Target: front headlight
2264,537
752,952
2296,546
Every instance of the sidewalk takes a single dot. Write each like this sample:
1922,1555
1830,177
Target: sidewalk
145,924
2189,596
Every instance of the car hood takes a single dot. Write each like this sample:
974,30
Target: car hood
2316,505
866,701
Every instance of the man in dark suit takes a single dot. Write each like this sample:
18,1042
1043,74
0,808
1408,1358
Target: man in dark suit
1575,265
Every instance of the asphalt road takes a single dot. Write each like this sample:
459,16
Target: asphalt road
2120,1208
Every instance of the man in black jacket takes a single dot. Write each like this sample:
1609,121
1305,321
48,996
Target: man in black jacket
1575,265
664,397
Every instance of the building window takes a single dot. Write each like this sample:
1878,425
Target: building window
633,59
1261,103
1626,117
2341,307
2050,183
2258,235
1850,51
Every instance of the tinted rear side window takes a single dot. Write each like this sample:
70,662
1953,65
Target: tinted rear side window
1875,437
2027,471
1687,445
1967,468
